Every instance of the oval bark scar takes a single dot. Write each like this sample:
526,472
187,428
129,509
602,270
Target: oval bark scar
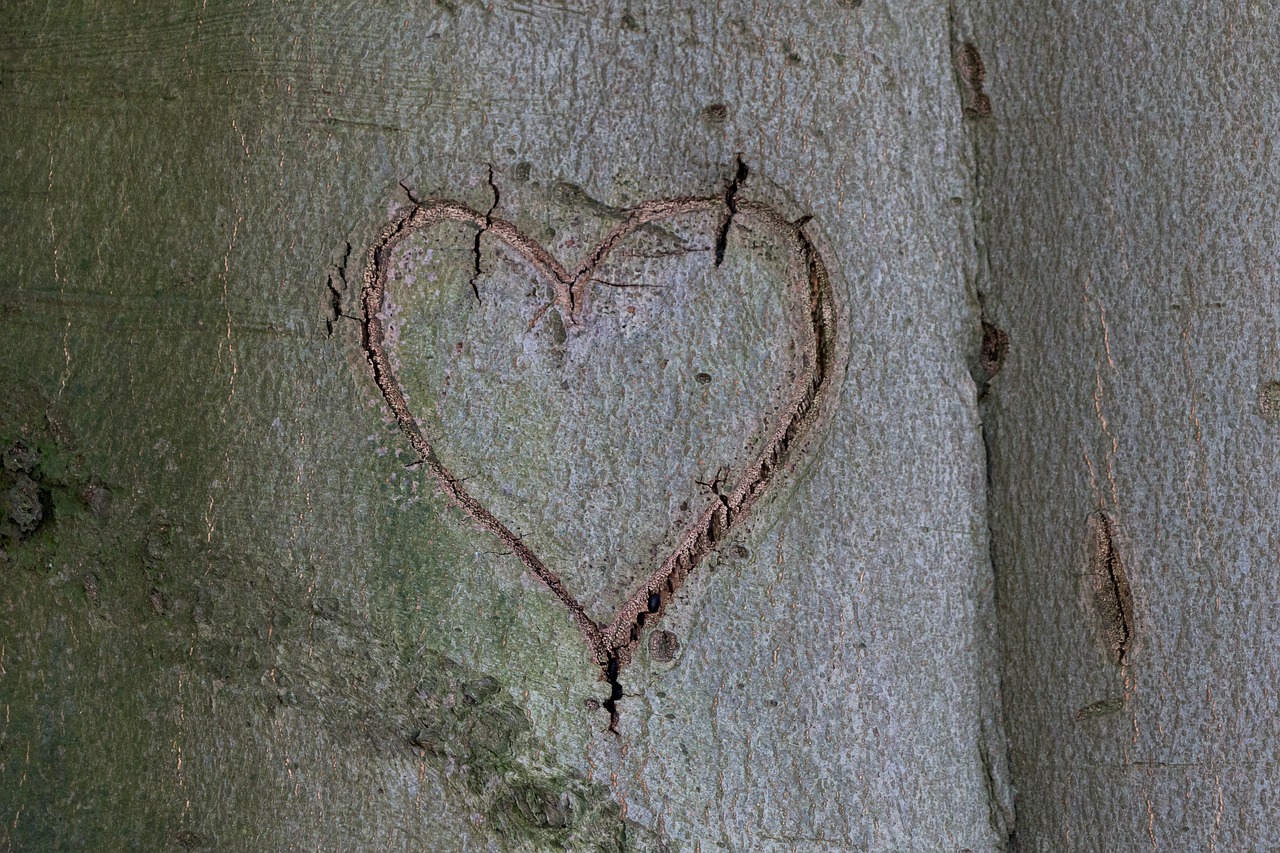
1112,597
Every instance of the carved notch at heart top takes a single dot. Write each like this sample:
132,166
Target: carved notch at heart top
533,310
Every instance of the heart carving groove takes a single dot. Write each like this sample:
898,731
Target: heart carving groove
612,643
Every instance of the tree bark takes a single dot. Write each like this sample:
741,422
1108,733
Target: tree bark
1127,217
242,613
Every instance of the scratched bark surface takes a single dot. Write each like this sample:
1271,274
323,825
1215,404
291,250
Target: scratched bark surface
234,620
1129,208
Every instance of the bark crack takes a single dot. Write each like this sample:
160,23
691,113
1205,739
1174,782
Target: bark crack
740,173
336,292
488,223
986,360
612,667
408,192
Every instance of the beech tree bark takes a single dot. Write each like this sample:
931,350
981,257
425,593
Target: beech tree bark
1128,218
241,611
243,622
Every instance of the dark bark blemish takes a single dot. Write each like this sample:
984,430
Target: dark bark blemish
1269,401
973,77
1101,708
995,346
663,646
715,113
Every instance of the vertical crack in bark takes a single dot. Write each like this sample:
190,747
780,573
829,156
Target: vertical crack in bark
336,293
740,173
488,223
988,359
612,667
1112,594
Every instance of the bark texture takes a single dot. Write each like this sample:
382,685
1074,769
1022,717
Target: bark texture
234,619
1128,207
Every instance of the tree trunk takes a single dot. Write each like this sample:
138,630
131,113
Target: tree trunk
1129,222
529,427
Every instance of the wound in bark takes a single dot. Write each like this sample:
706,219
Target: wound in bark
611,669
995,346
1269,402
1112,597
1101,708
715,113
973,76
992,352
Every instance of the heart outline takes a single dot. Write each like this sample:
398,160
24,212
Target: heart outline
611,645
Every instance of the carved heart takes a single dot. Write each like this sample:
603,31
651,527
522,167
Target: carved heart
812,311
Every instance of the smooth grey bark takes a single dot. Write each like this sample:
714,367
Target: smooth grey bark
1129,219
240,623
